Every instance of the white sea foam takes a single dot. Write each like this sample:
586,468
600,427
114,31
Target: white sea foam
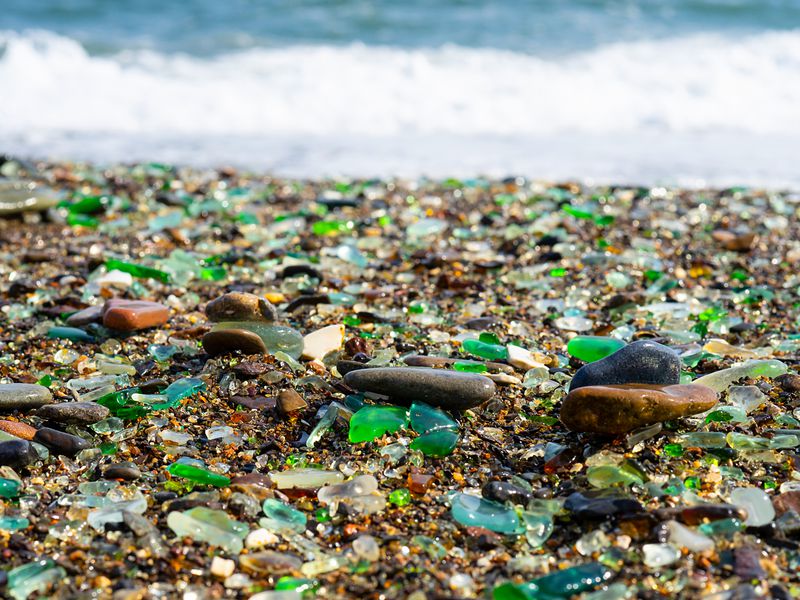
298,105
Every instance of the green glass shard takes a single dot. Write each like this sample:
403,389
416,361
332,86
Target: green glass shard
139,271
436,443
69,333
484,350
590,348
371,422
198,474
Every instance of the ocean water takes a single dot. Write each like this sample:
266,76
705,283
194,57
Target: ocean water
690,92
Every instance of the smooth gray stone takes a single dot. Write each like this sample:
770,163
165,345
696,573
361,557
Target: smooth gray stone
448,389
17,196
22,396
17,453
74,412
93,314
640,362
124,470
60,442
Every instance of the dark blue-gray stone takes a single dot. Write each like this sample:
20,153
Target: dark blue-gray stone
17,453
452,390
640,362
61,442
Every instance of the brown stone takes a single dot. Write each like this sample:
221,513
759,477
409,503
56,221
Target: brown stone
733,241
132,315
21,430
786,501
616,409
250,369
230,340
241,306
253,484
789,382
253,402
290,401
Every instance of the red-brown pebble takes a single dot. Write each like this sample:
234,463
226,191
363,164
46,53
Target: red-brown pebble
132,315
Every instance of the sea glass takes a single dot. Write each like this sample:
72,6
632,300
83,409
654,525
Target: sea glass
33,577
723,379
485,350
564,583
590,348
198,474
209,525
275,337
371,422
473,511
282,518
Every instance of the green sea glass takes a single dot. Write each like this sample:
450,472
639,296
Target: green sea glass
140,271
469,367
437,443
590,348
400,497
33,577
371,422
13,523
275,337
473,511
425,418
485,350
703,439
208,525
69,333
603,476
198,474
9,488
282,517
560,584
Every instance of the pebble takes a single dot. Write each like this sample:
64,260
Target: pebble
639,362
258,538
74,412
241,306
735,241
788,382
17,197
683,537
252,337
61,442
253,402
223,341
17,429
504,491
447,389
133,315
585,506
290,401
222,567
17,453
124,470
22,396
616,409
93,314
322,341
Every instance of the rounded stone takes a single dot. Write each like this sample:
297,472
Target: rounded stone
453,390
61,442
93,314
504,491
616,409
18,196
17,429
241,306
223,341
74,412
23,396
17,453
644,361
124,470
133,315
